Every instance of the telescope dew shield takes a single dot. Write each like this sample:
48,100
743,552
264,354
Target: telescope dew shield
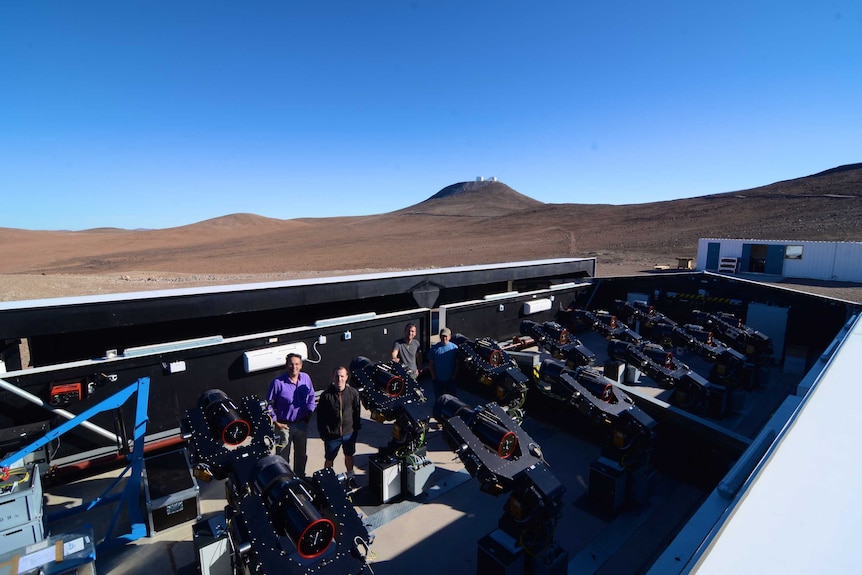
291,508
549,330
593,381
502,441
392,385
553,370
490,353
531,328
360,363
223,418
448,406
381,375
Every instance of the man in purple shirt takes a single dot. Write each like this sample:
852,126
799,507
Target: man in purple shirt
291,400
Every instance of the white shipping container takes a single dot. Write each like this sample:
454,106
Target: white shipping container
831,261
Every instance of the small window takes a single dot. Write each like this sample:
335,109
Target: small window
793,253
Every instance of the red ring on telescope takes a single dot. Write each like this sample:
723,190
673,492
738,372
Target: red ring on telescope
502,451
301,544
399,389
231,425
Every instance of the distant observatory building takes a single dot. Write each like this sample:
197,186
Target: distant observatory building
482,179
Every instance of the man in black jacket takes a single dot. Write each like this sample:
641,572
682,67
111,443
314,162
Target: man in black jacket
338,421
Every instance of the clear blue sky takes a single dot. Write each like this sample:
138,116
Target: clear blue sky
156,114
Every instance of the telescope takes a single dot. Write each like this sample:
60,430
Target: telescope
730,368
747,340
384,387
219,432
291,508
559,342
390,393
627,430
223,417
495,372
692,392
381,376
602,322
279,523
482,422
499,453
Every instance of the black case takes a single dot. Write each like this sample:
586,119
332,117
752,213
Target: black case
172,492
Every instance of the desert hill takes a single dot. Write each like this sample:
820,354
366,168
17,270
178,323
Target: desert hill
471,199
463,224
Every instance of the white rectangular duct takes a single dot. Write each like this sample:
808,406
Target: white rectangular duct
537,305
269,357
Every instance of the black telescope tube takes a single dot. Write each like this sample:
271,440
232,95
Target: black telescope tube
223,417
502,441
291,508
390,383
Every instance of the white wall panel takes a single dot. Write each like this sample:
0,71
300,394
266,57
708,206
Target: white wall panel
848,262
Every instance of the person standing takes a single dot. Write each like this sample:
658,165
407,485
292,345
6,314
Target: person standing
406,351
442,362
291,401
338,421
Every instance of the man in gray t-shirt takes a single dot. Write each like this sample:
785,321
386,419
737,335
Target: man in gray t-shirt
406,351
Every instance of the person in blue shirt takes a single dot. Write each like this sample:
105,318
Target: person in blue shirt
442,363
291,401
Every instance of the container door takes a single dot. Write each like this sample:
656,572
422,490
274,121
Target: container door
775,259
713,249
745,263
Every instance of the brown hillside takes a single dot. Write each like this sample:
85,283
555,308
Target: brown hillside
474,199
472,223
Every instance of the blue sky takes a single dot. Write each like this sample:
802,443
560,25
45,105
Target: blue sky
153,114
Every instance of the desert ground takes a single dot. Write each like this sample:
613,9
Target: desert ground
15,287
466,223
